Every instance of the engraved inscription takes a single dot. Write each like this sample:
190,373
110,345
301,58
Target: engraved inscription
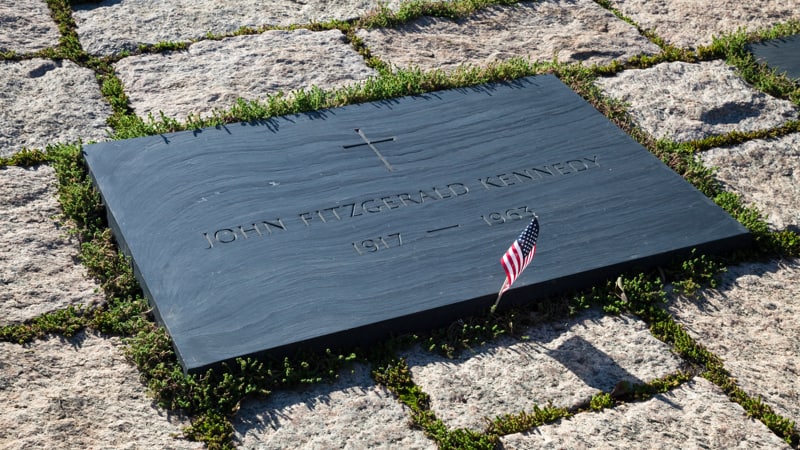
436,230
381,242
348,210
536,173
372,146
255,230
498,218
383,204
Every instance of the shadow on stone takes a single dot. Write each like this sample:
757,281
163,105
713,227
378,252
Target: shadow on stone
43,69
730,112
593,366
727,281
322,416
274,410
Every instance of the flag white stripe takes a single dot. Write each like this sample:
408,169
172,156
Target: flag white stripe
512,259
515,260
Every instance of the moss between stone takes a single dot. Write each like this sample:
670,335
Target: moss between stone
733,47
212,398
410,10
24,158
395,375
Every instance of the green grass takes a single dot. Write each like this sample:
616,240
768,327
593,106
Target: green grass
395,375
24,158
388,85
668,52
212,398
414,9
733,48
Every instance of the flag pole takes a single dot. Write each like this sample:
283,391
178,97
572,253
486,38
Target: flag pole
517,257
499,295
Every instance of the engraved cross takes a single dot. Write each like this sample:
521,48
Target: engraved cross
372,146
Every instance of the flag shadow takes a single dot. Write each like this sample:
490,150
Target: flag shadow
593,366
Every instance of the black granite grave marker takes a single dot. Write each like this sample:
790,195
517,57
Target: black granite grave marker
782,54
341,226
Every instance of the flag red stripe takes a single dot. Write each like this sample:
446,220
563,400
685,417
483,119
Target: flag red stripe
515,260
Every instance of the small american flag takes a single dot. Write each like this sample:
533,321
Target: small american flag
519,255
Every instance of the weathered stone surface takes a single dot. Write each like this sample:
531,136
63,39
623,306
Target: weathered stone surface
213,74
116,25
39,271
682,101
692,23
562,363
352,413
753,322
764,172
102,403
79,393
196,209
695,415
44,101
26,26
571,31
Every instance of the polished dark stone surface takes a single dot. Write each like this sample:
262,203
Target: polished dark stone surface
782,54
342,226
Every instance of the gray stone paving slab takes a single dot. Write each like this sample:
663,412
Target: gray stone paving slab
213,74
695,415
692,23
683,101
39,269
116,25
26,26
79,393
569,30
752,322
352,413
562,363
766,172
44,101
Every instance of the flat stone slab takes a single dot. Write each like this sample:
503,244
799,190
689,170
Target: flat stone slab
782,54
29,92
560,363
695,415
339,226
693,23
353,412
116,25
571,31
766,172
752,322
213,74
39,268
683,101
79,393
26,26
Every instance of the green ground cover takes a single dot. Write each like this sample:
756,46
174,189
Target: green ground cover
211,399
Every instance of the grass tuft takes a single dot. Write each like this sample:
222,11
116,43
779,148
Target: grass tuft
754,406
384,17
395,375
525,421
213,398
733,47
24,158
65,322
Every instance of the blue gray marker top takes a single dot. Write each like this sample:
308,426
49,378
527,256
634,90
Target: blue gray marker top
342,226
